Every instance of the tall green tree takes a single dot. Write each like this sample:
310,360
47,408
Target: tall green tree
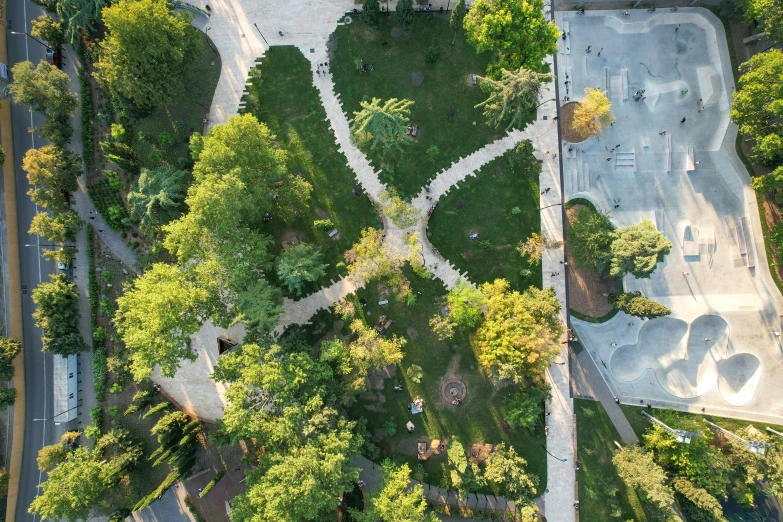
706,508
123,155
395,500
79,16
299,264
637,249
638,306
512,98
769,13
520,334
158,196
457,18
52,455
57,312
371,12
405,13
386,123
637,468
465,302
770,184
504,473
54,170
9,349
369,258
589,239
48,29
44,88
525,407
143,57
61,227
757,106
515,31
156,316
402,213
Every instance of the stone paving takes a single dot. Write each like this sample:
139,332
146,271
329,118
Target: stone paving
718,350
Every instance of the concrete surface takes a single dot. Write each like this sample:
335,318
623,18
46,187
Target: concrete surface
690,183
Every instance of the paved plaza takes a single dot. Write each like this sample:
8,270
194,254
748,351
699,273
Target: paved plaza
718,349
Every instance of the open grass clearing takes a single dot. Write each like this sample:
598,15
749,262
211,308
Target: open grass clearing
446,83
282,96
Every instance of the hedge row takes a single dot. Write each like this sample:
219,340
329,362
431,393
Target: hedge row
88,110
110,204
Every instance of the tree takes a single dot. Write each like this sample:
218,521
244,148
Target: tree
512,98
61,228
593,113
299,264
520,333
53,167
79,16
589,239
465,302
637,249
369,258
7,397
387,124
49,30
442,327
57,130
145,52
156,316
757,105
404,13
706,507
637,468
770,184
638,306
457,18
123,155
57,312
769,13
366,351
9,349
158,196
371,12
54,454
402,213
394,500
301,484
534,246
524,408
72,487
504,472
44,88
516,31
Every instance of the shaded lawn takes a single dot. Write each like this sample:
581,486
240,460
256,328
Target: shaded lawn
595,436
446,83
478,419
487,200
286,100
185,114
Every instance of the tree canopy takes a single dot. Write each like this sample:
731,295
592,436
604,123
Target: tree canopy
515,31
637,468
405,13
519,336
48,29
504,472
57,312
9,349
457,18
61,227
402,213
593,113
637,249
158,196
395,500
638,306
299,264
143,56
757,106
769,13
512,97
44,88
386,124
465,302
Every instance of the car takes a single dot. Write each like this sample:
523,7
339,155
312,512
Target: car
63,267
53,56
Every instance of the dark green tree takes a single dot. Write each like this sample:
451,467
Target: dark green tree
123,155
58,314
512,97
457,18
371,12
637,468
158,196
395,500
589,239
300,264
638,306
405,13
385,124
637,249
9,349
525,406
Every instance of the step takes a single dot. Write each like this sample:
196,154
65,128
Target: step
584,182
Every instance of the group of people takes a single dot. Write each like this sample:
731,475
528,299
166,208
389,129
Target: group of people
324,66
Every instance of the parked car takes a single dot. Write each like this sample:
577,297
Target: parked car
53,57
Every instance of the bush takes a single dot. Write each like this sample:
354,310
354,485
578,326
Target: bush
432,54
7,397
390,428
156,409
114,180
211,484
323,224
638,306
88,113
525,272
485,244
415,373
99,372
516,211
193,511
524,407
165,140
117,387
109,203
433,152
113,410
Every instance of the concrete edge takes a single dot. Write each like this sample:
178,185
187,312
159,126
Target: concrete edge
14,292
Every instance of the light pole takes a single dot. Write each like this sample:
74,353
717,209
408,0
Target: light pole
57,415
52,245
33,37
552,205
558,458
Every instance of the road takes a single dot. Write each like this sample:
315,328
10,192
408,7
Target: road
38,365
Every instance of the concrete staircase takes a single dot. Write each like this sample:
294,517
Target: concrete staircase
625,161
576,175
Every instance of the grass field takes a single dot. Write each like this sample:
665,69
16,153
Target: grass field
478,419
598,478
284,97
446,84
483,204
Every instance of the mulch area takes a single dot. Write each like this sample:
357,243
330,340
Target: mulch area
587,292
567,119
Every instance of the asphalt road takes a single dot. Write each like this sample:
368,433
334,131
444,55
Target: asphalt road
38,366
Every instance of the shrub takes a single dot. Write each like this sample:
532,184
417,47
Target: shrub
390,428
432,54
486,244
117,387
516,211
415,373
211,484
113,410
638,306
155,156
99,372
7,397
107,276
323,224
104,197
433,152
525,272
156,409
524,407
193,511
88,113
165,140
114,180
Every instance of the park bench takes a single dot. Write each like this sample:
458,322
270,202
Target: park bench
333,233
384,302
473,79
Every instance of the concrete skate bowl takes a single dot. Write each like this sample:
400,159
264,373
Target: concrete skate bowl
688,360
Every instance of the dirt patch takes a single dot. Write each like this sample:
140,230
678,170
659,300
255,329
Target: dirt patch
459,204
587,292
412,333
291,237
396,32
451,371
417,78
772,215
567,119
321,213
467,255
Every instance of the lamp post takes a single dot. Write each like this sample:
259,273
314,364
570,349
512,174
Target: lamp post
33,37
552,205
558,458
57,415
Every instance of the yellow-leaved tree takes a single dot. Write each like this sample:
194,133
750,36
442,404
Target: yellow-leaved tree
593,113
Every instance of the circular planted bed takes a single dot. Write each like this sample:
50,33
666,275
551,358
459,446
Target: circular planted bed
567,119
453,390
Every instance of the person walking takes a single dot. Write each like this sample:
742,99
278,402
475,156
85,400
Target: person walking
662,133
682,120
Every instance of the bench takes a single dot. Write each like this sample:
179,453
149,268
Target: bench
384,302
412,130
473,79
333,233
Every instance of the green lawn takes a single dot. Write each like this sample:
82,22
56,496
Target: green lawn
482,205
478,419
598,477
184,115
446,84
287,101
